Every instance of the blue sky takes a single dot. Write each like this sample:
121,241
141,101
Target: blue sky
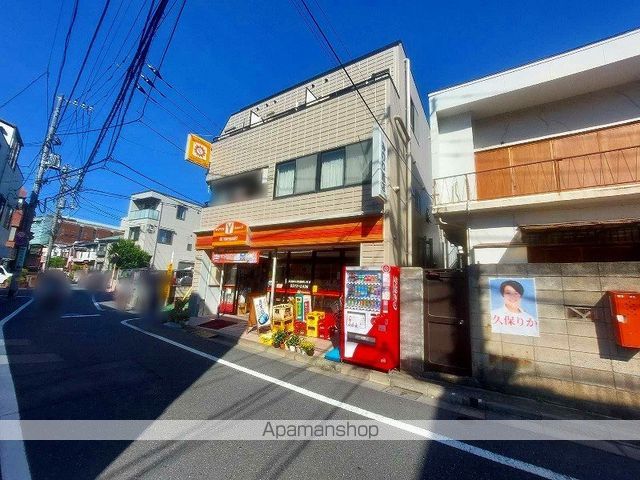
227,54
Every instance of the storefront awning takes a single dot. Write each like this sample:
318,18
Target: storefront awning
334,232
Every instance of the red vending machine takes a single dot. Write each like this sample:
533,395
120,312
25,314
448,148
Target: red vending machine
370,334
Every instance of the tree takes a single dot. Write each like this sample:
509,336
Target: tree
57,262
126,254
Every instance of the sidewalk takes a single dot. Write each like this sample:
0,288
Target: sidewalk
234,327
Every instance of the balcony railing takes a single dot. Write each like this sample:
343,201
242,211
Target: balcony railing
613,167
144,214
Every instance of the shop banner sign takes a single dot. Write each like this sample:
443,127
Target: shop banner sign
514,307
252,256
198,151
261,307
379,164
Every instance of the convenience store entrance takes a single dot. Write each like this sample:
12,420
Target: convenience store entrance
317,273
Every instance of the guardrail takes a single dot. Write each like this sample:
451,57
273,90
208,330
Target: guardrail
144,214
613,167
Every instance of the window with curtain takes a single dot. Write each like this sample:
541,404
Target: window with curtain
358,158
332,169
306,174
285,179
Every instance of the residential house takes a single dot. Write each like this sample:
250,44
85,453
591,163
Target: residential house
11,181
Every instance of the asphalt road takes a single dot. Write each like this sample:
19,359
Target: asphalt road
81,363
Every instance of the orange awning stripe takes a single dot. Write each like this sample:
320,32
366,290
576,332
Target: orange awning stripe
368,229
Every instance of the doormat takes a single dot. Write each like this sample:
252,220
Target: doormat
217,324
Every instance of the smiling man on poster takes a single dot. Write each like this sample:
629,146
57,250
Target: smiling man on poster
513,306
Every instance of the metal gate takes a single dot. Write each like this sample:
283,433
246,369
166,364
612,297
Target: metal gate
447,343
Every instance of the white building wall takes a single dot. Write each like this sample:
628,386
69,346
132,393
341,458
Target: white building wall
182,248
605,107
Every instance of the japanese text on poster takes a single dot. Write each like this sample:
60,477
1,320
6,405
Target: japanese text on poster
513,306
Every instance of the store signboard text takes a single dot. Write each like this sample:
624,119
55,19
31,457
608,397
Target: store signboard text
379,164
250,256
230,234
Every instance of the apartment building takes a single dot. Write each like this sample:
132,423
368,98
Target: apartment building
541,163
11,180
163,227
297,186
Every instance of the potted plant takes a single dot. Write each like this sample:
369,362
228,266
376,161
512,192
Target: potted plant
292,342
279,338
307,347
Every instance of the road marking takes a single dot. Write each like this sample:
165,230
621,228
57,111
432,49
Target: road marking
13,456
422,432
15,342
30,358
96,304
80,315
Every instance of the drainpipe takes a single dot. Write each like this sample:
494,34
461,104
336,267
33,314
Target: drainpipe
409,199
155,245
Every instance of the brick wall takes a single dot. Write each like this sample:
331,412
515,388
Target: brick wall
575,359
70,231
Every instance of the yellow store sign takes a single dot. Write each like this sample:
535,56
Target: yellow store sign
198,151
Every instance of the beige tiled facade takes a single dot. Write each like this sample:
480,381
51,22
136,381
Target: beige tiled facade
338,118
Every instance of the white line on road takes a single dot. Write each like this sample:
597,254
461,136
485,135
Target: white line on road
422,432
13,456
96,304
80,315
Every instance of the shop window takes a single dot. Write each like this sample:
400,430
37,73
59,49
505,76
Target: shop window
165,236
134,233
181,212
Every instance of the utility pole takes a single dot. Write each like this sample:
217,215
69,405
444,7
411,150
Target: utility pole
61,204
47,160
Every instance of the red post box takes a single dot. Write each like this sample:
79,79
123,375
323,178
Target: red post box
625,310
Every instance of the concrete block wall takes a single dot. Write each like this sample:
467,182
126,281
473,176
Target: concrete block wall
412,319
575,359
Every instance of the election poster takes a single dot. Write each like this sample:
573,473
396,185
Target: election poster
513,306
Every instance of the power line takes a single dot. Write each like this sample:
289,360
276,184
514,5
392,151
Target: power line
155,181
87,54
337,57
67,39
161,135
24,89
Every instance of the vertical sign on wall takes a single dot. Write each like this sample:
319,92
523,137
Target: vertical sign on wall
379,164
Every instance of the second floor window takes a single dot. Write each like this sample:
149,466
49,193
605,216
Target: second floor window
341,167
134,233
165,236
181,212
